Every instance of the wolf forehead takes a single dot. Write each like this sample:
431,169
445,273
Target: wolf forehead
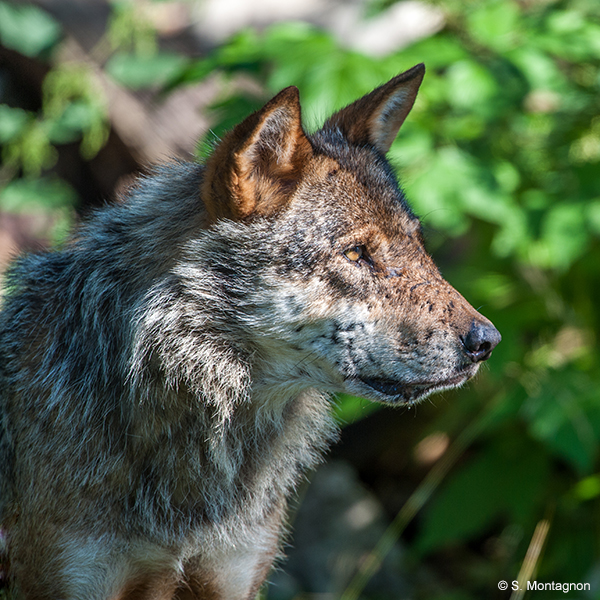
364,174
356,185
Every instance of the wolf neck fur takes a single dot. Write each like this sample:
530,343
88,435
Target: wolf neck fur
253,416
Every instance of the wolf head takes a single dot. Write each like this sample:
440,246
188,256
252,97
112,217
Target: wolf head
314,238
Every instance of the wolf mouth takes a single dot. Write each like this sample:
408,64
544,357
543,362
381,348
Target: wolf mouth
409,392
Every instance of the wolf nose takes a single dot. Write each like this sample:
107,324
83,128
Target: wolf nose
481,340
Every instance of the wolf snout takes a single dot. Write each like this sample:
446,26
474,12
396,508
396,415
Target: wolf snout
480,340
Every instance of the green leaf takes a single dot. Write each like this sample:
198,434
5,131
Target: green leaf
352,408
245,47
48,197
512,235
588,488
195,71
494,24
27,29
464,127
31,149
436,52
564,235
503,483
453,185
436,191
411,147
13,122
571,551
593,216
507,175
563,417
76,118
540,71
470,86
27,195
571,35
561,22
139,71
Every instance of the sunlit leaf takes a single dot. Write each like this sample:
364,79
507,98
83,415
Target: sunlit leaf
138,71
352,408
565,234
13,122
470,85
27,29
47,193
494,23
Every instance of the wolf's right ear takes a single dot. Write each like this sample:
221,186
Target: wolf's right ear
259,162
374,119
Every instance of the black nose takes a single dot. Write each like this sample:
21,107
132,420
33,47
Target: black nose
481,340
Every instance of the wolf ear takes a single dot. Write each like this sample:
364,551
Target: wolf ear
376,118
258,164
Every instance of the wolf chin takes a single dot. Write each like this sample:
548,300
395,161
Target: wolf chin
165,378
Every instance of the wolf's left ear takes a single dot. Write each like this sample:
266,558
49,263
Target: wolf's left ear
376,118
259,162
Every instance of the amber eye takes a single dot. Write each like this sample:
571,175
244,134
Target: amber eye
355,253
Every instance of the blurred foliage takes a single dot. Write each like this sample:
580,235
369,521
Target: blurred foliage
501,159
73,103
27,29
138,61
72,109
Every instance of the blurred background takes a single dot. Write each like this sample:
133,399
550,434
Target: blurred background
499,481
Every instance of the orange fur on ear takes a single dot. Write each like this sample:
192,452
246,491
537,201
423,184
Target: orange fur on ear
259,162
376,118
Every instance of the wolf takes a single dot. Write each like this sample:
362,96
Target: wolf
167,376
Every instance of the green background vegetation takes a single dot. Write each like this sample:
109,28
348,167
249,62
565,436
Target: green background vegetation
501,159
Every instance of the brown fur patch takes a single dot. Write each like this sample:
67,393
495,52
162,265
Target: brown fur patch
258,164
155,586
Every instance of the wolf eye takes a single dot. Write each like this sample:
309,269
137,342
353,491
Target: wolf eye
355,253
